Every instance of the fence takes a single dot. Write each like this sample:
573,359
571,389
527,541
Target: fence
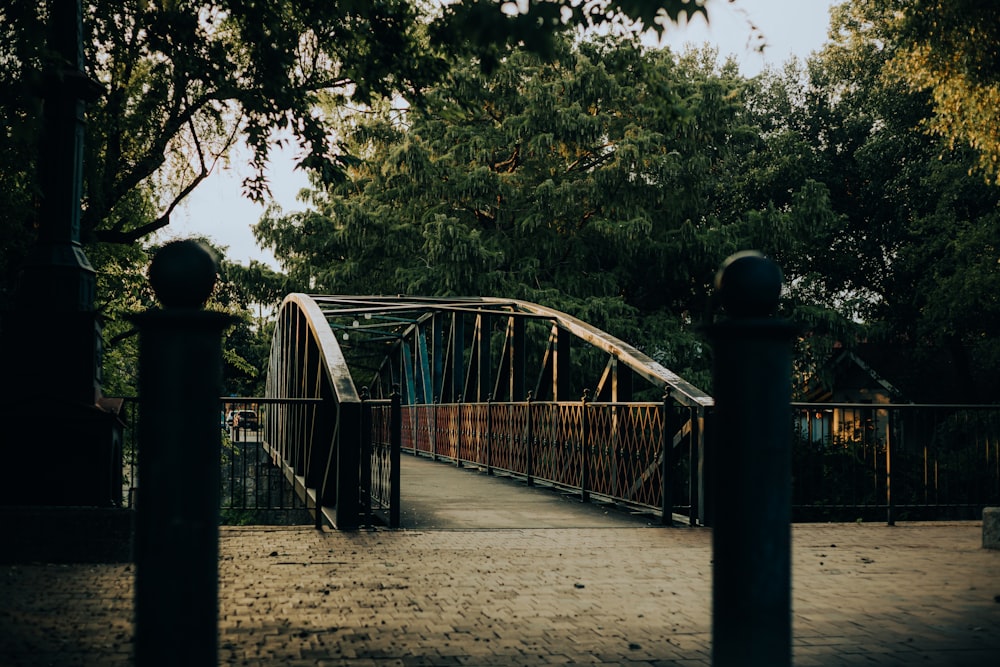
255,487
894,462
380,443
850,461
608,451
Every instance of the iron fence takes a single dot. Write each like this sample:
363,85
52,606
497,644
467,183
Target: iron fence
635,454
380,476
850,461
257,484
867,462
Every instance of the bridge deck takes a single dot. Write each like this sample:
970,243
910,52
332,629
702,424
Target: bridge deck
602,589
437,496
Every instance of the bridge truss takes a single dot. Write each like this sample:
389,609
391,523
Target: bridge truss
504,384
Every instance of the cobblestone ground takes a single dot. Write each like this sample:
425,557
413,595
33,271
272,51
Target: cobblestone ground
914,594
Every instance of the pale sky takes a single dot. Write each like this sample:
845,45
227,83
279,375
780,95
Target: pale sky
216,209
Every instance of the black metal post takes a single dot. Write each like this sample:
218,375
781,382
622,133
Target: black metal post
585,447
698,484
751,469
51,343
890,438
176,537
529,454
489,434
458,434
365,474
395,439
666,462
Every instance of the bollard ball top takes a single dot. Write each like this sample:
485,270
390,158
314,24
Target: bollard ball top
749,285
182,274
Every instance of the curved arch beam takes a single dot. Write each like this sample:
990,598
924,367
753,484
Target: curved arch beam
315,412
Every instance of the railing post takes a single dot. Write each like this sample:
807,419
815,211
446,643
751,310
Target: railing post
345,452
584,447
889,438
529,463
666,463
395,440
177,509
432,429
698,467
365,483
489,434
751,468
458,434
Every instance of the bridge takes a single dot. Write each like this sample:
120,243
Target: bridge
507,385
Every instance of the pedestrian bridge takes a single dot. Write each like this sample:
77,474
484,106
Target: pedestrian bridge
509,386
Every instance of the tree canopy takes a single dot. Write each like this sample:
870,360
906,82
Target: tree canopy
952,50
608,181
484,147
181,81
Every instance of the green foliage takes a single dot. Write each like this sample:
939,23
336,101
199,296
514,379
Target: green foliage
951,49
608,182
912,250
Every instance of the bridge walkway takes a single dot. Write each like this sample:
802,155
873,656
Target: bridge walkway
438,496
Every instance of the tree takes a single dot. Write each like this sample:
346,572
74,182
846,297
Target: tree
606,182
951,50
183,80
914,250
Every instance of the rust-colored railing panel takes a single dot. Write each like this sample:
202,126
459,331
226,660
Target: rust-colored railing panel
608,450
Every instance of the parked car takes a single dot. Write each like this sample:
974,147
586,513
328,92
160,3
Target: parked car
245,419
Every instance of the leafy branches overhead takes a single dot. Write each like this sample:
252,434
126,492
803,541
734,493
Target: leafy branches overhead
184,80
607,181
952,50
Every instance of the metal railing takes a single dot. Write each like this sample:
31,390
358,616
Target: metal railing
612,452
857,461
258,486
850,461
380,465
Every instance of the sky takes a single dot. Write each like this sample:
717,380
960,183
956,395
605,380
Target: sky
217,210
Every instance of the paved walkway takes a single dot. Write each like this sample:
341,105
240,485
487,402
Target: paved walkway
606,591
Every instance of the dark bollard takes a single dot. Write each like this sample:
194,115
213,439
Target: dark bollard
751,468
177,508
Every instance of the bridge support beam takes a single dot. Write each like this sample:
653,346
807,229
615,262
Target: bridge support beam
751,469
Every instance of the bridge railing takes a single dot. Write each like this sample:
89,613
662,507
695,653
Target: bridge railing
894,461
607,451
380,465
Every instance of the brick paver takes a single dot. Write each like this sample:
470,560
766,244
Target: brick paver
864,594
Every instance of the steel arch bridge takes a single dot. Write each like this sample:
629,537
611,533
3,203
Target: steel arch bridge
506,385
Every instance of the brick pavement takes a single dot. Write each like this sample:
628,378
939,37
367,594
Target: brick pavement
603,589
863,594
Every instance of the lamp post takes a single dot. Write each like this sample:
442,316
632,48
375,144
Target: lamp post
53,338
